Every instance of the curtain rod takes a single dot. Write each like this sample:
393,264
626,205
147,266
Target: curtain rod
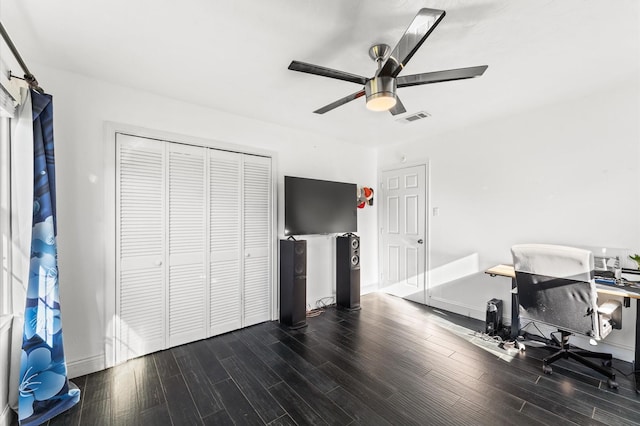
29,78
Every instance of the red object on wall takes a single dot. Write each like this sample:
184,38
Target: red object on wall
365,196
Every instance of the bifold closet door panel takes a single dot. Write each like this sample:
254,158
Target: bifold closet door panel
188,294
194,243
257,239
225,230
140,229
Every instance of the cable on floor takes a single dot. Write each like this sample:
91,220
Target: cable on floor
325,302
314,312
487,337
536,326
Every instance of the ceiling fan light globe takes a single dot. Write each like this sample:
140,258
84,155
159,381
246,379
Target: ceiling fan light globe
381,93
381,102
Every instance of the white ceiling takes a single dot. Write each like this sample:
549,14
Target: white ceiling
233,55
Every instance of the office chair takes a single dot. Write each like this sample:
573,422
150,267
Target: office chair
556,287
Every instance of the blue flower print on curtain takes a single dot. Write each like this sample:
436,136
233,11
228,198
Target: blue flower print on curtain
44,390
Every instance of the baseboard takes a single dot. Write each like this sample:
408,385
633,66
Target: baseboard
85,366
7,416
457,308
371,288
5,360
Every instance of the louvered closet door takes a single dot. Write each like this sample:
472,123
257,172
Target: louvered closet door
186,236
194,243
140,302
225,224
257,239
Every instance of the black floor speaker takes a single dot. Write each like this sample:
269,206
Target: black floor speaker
293,283
348,272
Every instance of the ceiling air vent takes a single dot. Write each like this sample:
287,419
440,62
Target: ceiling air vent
414,117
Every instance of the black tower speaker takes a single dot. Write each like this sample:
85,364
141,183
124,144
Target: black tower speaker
293,283
348,271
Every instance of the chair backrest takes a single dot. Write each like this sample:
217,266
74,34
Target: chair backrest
556,287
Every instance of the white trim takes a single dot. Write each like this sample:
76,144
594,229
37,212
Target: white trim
5,359
85,366
109,179
457,307
621,352
371,288
7,416
427,225
5,323
111,128
109,145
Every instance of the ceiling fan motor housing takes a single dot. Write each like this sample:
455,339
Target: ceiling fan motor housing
380,87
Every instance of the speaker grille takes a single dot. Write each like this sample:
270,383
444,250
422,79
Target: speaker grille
348,271
354,243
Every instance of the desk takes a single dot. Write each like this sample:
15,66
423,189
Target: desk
626,293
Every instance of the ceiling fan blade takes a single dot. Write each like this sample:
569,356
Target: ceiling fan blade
440,76
326,72
425,21
398,108
340,102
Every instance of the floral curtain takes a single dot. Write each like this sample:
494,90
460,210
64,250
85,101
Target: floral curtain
44,390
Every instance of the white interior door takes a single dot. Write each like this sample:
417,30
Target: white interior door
187,297
225,229
140,224
257,239
194,243
403,232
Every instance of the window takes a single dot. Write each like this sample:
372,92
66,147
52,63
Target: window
5,216
9,93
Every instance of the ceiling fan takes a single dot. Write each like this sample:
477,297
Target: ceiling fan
380,90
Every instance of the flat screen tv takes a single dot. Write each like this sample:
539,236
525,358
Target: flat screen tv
314,206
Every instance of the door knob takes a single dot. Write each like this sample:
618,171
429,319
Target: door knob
420,241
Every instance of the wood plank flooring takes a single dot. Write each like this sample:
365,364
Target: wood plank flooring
392,363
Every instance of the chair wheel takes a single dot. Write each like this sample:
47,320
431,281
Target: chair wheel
612,384
546,369
607,363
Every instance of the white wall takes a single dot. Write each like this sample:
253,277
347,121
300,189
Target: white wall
81,108
566,173
5,345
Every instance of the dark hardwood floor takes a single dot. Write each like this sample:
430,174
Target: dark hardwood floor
392,363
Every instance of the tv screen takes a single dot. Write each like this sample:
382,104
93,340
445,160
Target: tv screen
314,206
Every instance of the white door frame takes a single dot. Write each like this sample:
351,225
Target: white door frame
427,225
109,179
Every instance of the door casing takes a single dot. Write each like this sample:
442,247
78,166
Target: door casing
423,296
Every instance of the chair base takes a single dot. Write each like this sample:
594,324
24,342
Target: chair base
566,351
